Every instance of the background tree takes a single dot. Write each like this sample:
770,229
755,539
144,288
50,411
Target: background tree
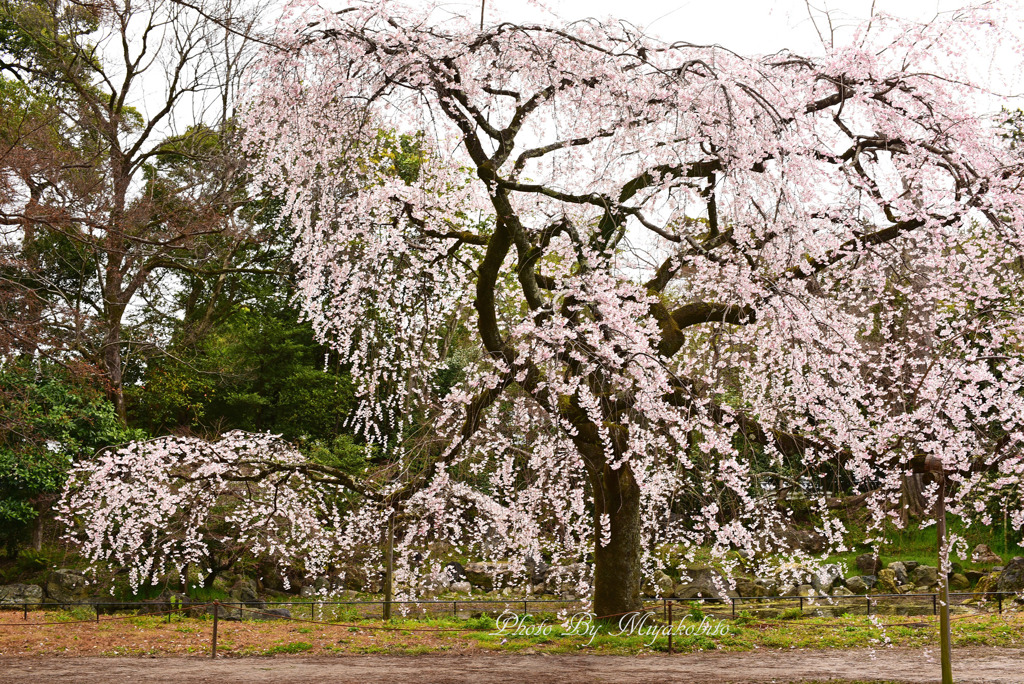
103,192
50,419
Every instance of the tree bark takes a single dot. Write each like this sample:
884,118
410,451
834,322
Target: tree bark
617,572
37,532
113,370
912,501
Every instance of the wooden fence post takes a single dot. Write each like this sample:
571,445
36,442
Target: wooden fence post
216,611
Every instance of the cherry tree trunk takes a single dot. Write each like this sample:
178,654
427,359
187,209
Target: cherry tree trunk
912,501
617,564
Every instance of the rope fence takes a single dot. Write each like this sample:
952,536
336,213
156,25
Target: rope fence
667,605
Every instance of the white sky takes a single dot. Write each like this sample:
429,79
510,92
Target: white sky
746,26
752,27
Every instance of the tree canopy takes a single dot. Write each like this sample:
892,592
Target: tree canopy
664,251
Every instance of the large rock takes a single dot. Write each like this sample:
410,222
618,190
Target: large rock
985,556
887,582
925,575
748,588
988,584
354,577
21,594
901,572
869,563
1012,576
455,571
566,578
699,582
487,575
802,540
842,591
461,587
959,582
794,573
857,585
244,590
166,602
825,577
226,612
67,586
538,569
805,590
439,581
429,593
659,586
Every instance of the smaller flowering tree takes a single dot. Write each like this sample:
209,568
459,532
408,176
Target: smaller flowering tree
158,506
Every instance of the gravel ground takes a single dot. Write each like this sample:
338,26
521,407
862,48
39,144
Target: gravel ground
971,666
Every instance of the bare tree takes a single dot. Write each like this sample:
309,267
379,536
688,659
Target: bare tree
119,162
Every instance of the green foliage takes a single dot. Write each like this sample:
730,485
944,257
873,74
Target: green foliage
257,371
915,543
1012,125
49,421
29,564
35,35
342,452
482,622
745,617
400,155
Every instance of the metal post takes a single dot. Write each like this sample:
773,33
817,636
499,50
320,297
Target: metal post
670,628
935,604
801,604
1000,604
389,566
24,605
733,602
525,611
944,634
216,611
455,609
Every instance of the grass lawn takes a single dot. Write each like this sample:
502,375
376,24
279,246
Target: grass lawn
154,636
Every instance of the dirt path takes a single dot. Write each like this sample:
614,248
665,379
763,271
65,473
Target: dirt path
972,666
